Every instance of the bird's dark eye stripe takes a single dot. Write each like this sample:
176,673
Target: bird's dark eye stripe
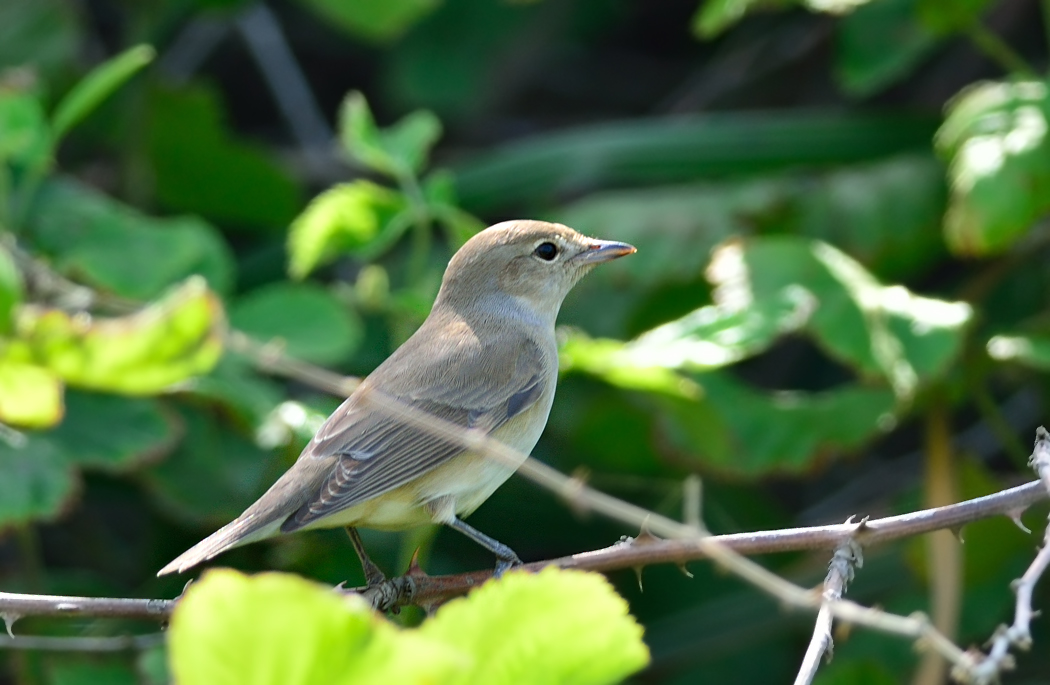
546,251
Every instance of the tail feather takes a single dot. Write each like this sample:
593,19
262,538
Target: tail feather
241,531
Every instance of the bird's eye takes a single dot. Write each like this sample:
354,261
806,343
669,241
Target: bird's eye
546,251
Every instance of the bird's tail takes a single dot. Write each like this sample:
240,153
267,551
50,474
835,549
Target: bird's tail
247,528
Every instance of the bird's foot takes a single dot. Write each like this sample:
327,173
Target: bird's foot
505,563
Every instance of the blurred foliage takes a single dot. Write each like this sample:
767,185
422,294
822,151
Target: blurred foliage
841,216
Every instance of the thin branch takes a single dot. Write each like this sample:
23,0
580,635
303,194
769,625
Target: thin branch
436,589
840,573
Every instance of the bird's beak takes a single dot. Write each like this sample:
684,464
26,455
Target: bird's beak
603,251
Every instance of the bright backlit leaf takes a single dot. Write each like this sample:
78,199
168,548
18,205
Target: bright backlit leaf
30,395
303,318
994,139
275,629
358,218
549,627
140,354
554,627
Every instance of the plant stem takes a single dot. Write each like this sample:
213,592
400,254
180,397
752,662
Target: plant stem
997,50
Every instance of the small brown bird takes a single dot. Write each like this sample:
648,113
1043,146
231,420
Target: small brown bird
485,358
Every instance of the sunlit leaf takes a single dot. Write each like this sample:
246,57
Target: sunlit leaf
305,319
379,20
1031,350
549,627
278,629
30,395
358,218
98,85
397,150
994,139
106,244
143,353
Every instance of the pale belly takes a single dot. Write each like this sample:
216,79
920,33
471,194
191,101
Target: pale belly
463,482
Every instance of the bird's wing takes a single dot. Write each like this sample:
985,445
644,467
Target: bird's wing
372,452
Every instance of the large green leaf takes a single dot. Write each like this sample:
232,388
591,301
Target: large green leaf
213,474
880,44
112,246
200,167
550,627
660,151
307,320
994,139
37,480
144,353
398,150
738,430
278,629
98,85
379,20
359,218
112,432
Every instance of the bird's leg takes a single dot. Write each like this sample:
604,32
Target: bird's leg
505,556
373,574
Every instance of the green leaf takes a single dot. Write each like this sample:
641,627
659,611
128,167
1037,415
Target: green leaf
108,245
30,395
98,85
377,20
111,432
399,150
307,320
948,16
277,629
10,288
37,481
549,627
213,474
25,137
744,432
439,189
359,218
141,354
71,671
994,138
542,169
878,45
200,167
43,34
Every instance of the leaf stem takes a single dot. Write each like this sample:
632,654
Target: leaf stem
997,50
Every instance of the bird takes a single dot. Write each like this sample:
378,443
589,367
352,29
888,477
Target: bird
485,358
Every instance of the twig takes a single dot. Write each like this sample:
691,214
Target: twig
1019,633
840,573
436,589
